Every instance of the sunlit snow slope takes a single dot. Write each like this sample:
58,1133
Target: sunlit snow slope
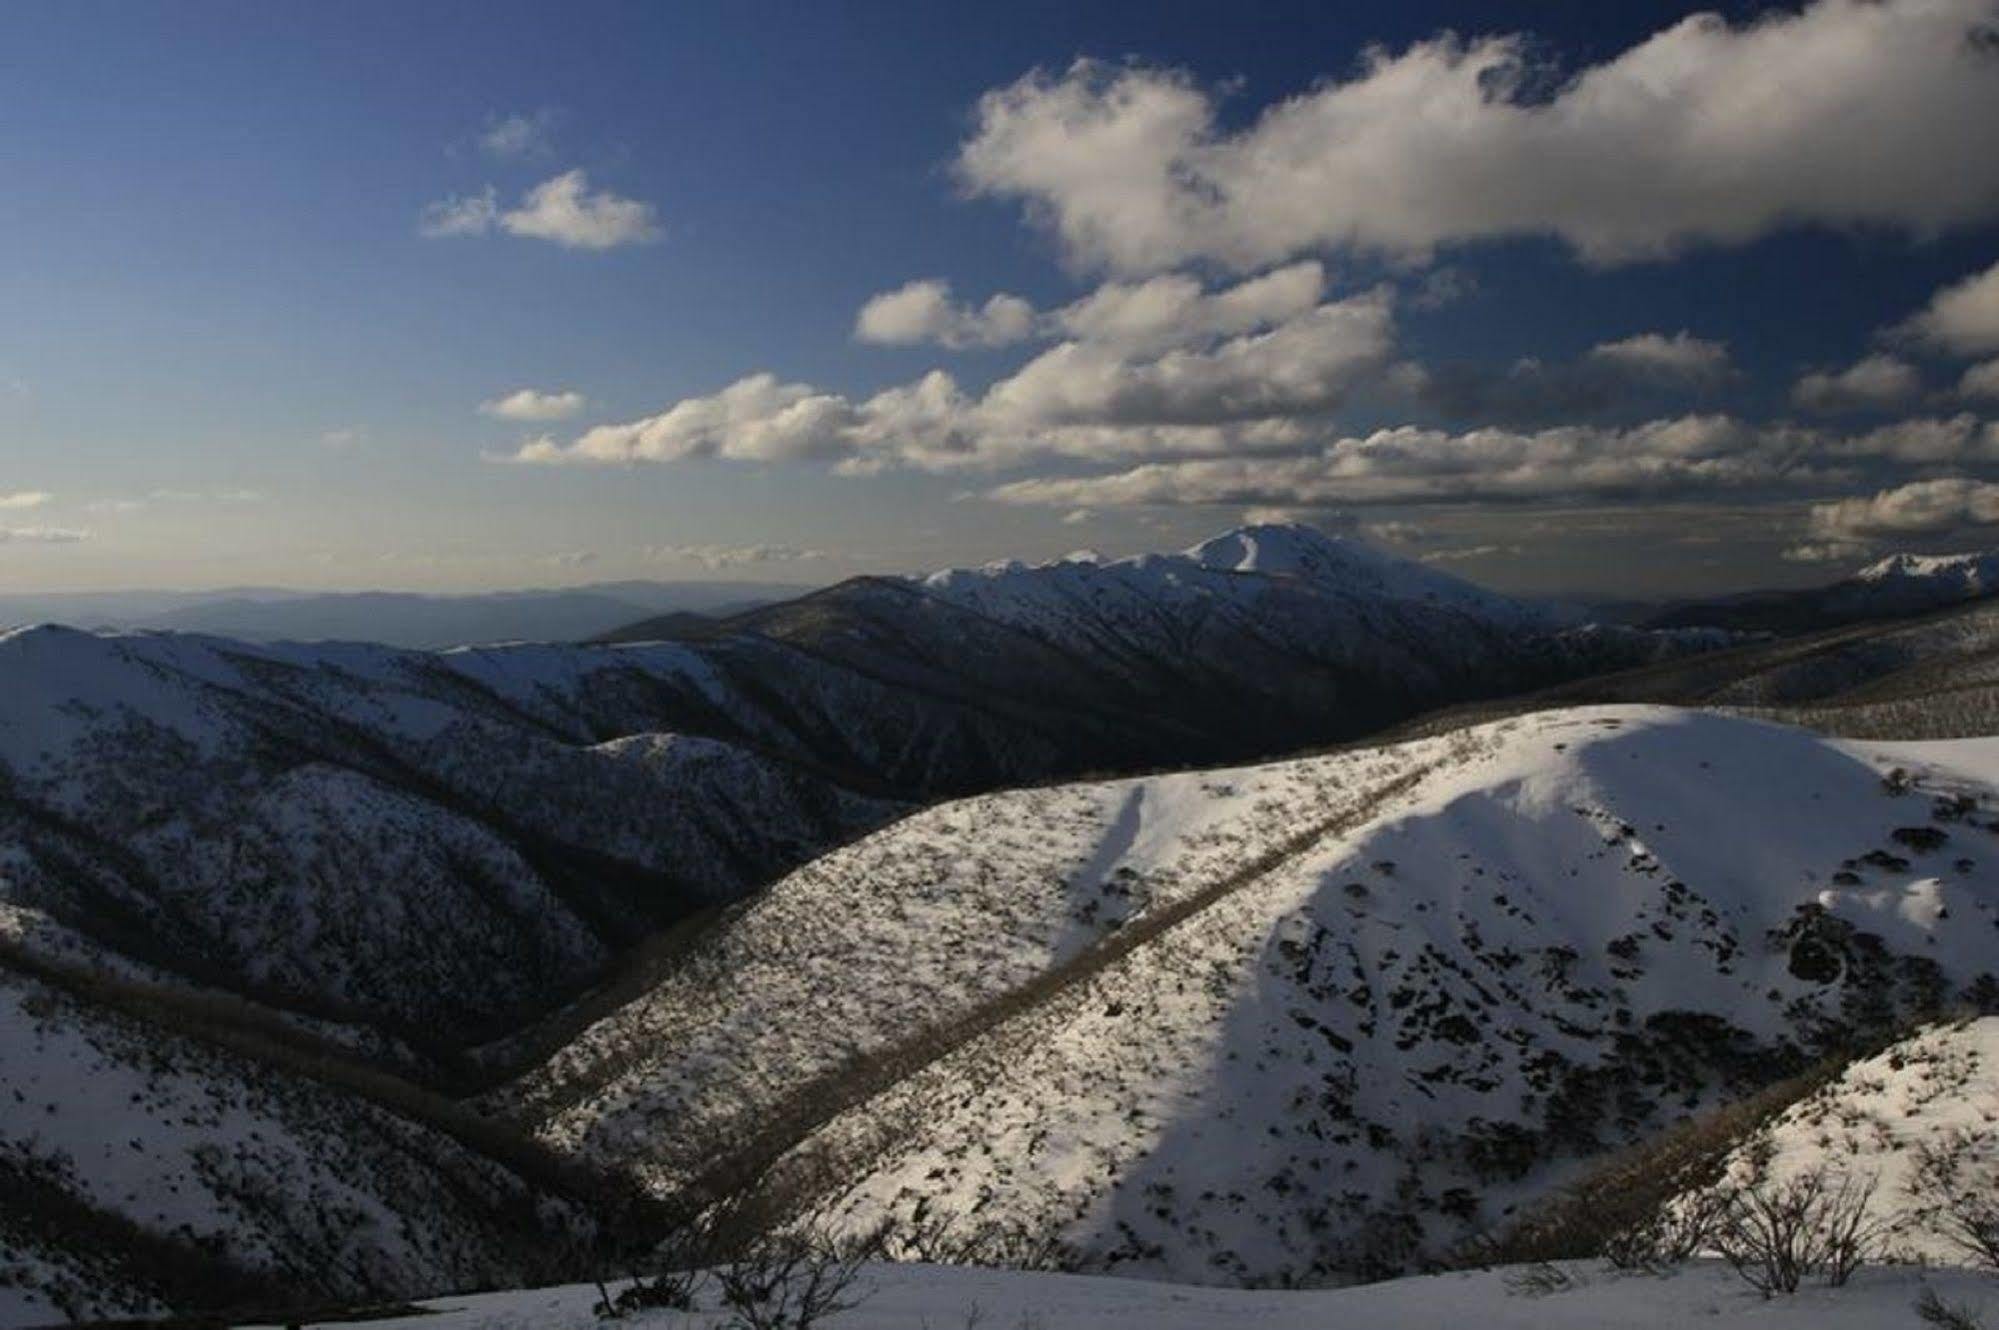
1307,1020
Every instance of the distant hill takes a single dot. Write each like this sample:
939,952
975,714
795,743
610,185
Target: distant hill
392,618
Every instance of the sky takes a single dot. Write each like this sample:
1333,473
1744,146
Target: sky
1638,300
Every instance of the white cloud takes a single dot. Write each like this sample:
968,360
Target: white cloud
522,134
1847,113
1681,357
24,499
1077,398
1963,317
41,535
1174,308
562,209
1920,508
1305,365
1980,380
731,556
1872,383
1078,516
468,215
347,437
923,311
570,559
1659,459
528,404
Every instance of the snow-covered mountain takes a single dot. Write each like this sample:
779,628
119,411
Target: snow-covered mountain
441,846
1307,1020
1059,599
430,844
1900,584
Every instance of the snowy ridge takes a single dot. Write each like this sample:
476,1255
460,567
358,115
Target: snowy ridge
1530,942
1968,574
1231,567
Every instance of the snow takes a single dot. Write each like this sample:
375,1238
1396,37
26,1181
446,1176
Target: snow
1375,1036
1868,1126
913,1297
1048,598
1973,574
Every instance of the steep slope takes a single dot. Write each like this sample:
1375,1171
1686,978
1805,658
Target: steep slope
142,1169
1303,1021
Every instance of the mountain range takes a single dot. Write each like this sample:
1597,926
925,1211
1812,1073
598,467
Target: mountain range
335,972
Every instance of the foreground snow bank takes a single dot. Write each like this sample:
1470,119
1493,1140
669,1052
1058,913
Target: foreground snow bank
913,1297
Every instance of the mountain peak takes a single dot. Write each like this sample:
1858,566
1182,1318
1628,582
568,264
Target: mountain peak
1278,547
1976,569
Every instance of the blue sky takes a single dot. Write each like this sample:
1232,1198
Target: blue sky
242,351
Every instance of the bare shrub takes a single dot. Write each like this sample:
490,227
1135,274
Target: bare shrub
1777,1234
793,1279
1670,1235
1933,1310
1955,1187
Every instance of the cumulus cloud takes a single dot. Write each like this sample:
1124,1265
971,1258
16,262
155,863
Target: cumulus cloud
41,535
522,134
565,210
1980,380
1306,364
1846,113
923,311
731,556
528,404
562,209
20,499
1872,383
1682,357
1963,317
1079,398
1660,459
1919,508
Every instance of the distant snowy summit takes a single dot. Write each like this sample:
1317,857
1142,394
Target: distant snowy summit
1229,566
1898,585
1967,575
